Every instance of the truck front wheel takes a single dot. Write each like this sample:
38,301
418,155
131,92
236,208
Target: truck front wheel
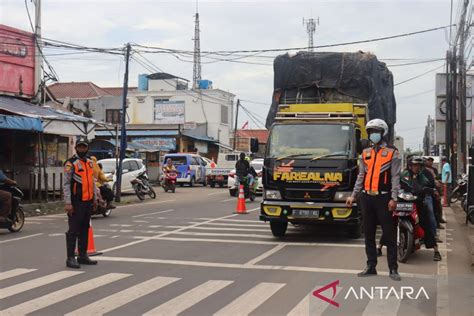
278,228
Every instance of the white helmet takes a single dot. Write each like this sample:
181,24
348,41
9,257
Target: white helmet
377,124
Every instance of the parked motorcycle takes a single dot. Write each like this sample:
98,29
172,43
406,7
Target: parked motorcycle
169,181
460,189
142,186
409,232
16,219
249,192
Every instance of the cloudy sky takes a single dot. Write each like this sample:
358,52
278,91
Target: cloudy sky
236,25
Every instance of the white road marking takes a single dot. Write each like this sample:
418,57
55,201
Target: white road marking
231,229
137,221
62,295
253,267
442,297
13,273
186,300
382,306
56,235
40,219
311,305
145,203
168,233
228,200
20,238
240,220
121,298
32,284
154,226
148,214
250,300
220,192
266,254
234,225
121,225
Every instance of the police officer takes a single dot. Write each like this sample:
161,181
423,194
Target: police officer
80,199
379,181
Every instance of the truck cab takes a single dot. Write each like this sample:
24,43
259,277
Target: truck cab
311,165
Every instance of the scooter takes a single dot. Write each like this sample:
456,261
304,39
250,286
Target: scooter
169,181
142,186
15,221
409,232
460,189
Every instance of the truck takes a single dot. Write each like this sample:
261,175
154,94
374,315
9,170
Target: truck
317,133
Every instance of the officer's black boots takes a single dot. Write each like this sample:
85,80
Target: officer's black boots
368,271
83,258
71,261
394,275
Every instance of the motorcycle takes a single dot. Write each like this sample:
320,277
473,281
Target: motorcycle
249,193
16,219
469,209
103,208
169,181
409,232
460,189
142,186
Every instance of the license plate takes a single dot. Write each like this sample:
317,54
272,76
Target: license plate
404,207
306,213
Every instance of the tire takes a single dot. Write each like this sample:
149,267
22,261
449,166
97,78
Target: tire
405,246
221,185
278,228
204,184
139,193
181,184
191,182
213,184
152,193
252,197
107,213
17,225
455,196
355,231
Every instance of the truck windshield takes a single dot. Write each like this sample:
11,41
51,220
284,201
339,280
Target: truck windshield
310,141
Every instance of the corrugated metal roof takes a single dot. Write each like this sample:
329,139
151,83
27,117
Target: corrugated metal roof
140,133
76,90
260,134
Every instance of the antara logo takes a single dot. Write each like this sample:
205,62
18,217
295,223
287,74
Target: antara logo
332,286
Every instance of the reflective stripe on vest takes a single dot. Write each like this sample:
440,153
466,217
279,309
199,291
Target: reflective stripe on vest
376,163
83,175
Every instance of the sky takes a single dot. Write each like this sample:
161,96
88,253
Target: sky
236,25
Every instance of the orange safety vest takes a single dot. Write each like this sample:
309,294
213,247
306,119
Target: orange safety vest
378,169
82,182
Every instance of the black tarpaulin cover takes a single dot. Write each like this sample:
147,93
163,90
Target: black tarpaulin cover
318,77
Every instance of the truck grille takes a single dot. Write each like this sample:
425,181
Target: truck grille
308,195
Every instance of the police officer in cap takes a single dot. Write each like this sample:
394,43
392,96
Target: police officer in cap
80,199
379,181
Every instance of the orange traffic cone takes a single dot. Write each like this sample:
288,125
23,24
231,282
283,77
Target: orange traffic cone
241,208
91,251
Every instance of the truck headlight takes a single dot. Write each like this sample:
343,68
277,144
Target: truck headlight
272,195
342,196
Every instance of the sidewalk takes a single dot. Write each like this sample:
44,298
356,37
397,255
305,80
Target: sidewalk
57,207
467,231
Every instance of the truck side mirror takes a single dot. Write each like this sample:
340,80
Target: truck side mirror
254,145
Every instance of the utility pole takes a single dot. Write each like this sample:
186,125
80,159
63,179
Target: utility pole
197,51
236,120
447,130
38,55
123,134
453,119
310,29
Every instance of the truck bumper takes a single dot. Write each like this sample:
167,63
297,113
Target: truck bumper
330,212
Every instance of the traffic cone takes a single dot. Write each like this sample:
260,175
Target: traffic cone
91,251
241,208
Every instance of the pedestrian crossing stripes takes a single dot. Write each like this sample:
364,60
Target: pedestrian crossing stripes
244,301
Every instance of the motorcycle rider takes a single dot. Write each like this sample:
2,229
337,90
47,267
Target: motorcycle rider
438,207
168,167
105,190
5,198
242,168
80,200
379,181
415,181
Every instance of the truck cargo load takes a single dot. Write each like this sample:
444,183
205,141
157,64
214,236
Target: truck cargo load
331,77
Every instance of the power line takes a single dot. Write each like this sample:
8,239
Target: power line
301,48
418,76
416,94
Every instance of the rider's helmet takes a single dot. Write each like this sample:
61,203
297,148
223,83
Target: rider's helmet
377,125
242,156
416,160
82,141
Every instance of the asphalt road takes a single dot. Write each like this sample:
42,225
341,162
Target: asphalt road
188,253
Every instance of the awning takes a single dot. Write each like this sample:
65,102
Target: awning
20,123
53,121
200,137
132,146
139,133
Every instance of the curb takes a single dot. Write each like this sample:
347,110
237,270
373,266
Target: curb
468,230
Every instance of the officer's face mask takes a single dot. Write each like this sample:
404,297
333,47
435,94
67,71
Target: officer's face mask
375,137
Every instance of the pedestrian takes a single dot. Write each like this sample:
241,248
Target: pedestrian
80,199
415,181
379,182
446,179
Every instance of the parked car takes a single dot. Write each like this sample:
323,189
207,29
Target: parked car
131,168
191,168
257,164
